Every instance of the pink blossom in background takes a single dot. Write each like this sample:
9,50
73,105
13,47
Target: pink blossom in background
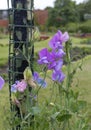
21,86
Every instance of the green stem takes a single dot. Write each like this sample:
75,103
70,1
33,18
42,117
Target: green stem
68,65
68,80
61,93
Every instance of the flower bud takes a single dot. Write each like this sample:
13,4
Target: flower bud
32,83
36,35
52,104
27,74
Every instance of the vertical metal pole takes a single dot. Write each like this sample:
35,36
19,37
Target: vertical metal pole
21,26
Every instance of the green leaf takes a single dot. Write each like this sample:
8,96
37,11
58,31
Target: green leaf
35,110
61,116
26,117
64,117
55,115
82,104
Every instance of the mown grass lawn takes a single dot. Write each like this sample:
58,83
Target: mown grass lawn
3,55
4,107
79,42
84,78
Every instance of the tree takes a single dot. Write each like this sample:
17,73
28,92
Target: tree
64,11
53,18
84,8
81,11
88,6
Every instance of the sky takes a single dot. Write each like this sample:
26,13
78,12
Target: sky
37,3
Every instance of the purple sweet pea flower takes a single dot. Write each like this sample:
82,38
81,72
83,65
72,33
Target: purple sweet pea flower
35,76
44,56
2,82
58,39
53,59
55,64
57,54
59,65
56,60
60,53
54,43
64,37
41,82
38,80
13,87
58,76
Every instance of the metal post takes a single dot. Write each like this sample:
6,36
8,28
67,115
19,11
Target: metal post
21,26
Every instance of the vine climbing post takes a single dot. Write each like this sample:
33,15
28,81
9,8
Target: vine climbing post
21,49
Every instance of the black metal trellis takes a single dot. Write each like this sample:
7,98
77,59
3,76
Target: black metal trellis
21,27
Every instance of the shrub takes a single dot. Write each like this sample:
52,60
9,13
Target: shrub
78,52
72,27
85,27
52,29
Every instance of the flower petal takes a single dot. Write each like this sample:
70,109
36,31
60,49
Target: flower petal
58,76
44,56
41,82
65,37
13,88
58,65
35,76
2,82
21,86
55,41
